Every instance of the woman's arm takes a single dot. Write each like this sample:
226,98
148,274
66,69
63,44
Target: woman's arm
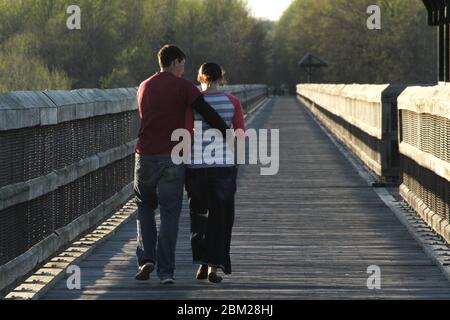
239,129
238,119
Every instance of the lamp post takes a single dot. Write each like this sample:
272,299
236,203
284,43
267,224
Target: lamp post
439,15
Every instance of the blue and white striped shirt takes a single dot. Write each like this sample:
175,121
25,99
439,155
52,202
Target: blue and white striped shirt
207,151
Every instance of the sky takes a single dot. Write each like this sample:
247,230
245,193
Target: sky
269,9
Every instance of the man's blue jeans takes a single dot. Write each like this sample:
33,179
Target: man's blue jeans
158,182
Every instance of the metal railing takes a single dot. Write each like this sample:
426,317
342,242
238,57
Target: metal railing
66,162
424,121
363,117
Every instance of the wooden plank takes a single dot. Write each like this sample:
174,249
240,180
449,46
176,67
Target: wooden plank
309,232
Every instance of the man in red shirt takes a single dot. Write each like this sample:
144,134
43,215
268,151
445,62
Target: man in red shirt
163,100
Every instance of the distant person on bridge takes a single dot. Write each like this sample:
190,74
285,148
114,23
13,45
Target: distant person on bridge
211,184
163,100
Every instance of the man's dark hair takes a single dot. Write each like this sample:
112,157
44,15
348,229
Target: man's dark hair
168,54
210,72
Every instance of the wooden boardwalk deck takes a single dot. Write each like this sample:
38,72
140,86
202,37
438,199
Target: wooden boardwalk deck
309,232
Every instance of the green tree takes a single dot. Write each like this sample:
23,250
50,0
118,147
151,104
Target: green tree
21,68
119,40
403,51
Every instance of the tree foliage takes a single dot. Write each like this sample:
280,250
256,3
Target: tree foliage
118,41
21,68
403,51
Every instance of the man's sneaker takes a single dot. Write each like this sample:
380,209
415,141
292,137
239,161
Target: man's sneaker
214,278
202,272
144,271
168,281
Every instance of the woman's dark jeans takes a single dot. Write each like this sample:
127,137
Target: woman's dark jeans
211,194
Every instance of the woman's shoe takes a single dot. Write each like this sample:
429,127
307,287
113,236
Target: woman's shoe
214,278
202,272
144,271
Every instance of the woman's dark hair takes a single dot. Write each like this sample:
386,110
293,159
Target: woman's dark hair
168,54
210,72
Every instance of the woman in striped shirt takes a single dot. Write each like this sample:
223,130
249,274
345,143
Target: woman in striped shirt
211,179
